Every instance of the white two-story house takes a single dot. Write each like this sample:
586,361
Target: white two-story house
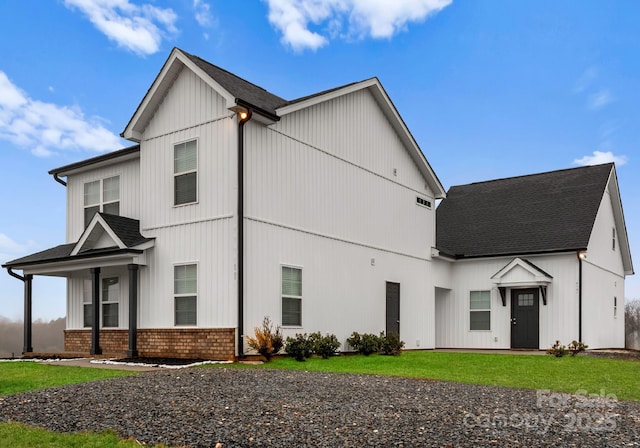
236,204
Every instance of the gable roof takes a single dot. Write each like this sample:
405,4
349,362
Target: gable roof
539,213
125,230
240,93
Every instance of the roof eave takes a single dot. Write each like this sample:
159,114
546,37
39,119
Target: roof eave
121,155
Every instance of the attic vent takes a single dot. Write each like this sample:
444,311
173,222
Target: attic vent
423,202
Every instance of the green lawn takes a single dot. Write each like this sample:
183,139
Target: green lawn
23,376
567,374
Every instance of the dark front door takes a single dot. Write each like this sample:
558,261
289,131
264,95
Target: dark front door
393,308
524,318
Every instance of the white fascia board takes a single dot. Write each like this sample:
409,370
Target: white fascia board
66,267
97,219
161,85
392,115
538,277
102,164
618,215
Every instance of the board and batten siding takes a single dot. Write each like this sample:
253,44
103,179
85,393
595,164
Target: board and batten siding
558,319
321,194
603,283
203,232
129,172
343,290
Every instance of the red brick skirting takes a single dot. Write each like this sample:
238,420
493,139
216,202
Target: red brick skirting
200,343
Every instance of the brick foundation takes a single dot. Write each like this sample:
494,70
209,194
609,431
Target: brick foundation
200,343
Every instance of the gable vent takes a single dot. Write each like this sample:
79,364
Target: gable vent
423,202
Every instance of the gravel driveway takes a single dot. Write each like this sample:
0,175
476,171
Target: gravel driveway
259,407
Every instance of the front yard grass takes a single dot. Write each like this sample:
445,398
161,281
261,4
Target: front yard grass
23,376
567,374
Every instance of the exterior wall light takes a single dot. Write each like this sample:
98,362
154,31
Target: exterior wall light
582,255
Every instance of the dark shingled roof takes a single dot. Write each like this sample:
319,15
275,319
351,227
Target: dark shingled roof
238,87
538,213
127,229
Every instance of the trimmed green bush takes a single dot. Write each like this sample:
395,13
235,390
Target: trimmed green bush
300,347
390,344
324,346
365,344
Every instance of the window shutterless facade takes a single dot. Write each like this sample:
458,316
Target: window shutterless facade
185,173
101,195
185,292
87,306
291,296
480,310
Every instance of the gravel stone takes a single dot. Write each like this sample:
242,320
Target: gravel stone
276,408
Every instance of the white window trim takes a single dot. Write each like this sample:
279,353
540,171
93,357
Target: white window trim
173,158
469,310
101,203
197,294
119,301
301,298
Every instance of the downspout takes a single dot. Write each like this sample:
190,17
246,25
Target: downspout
14,275
581,256
57,179
28,291
244,117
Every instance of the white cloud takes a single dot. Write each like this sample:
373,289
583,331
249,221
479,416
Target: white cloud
599,157
9,249
203,13
600,99
45,127
138,28
364,18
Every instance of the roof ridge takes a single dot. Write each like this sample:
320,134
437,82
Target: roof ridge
228,72
600,165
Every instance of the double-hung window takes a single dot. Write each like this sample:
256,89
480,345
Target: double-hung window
185,173
101,195
185,292
480,310
291,296
110,301
87,305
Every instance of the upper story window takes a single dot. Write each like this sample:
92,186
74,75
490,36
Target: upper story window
101,196
613,240
185,173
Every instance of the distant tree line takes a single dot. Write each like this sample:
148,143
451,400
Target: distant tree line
48,337
632,324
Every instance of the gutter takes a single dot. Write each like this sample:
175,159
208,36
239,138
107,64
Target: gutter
14,275
244,117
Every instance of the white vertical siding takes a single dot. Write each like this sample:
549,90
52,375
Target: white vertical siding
129,172
558,319
342,291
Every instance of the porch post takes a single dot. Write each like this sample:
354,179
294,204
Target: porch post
95,301
133,310
28,291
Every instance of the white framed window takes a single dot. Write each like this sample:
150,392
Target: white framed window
185,292
185,173
110,301
291,296
102,195
87,305
480,310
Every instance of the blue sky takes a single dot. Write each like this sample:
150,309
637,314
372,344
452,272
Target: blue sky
489,89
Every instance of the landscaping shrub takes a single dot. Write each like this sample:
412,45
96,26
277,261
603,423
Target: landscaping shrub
557,350
324,346
300,346
576,347
364,343
267,341
390,344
